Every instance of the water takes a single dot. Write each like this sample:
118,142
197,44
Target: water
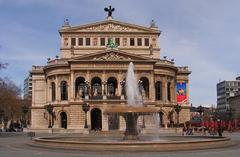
134,98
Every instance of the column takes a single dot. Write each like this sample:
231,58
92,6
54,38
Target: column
89,83
164,90
57,89
69,42
151,88
33,92
48,91
119,86
187,85
104,81
72,87
173,97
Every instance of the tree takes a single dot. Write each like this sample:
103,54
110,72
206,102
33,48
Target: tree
9,99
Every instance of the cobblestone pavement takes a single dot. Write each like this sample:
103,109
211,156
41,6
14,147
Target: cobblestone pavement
14,145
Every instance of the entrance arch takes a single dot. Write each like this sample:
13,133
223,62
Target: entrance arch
63,117
96,119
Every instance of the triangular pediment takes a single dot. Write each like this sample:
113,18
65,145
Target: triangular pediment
109,26
111,55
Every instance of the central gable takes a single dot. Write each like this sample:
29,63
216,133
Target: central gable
109,26
111,55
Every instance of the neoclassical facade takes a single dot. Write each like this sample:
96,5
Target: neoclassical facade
92,68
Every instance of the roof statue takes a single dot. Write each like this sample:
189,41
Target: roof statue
109,10
111,44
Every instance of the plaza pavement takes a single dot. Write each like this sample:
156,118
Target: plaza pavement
14,145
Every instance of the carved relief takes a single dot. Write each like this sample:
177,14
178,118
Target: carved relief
63,78
111,27
82,74
112,56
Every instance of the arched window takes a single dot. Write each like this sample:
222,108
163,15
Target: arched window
144,87
111,86
96,86
158,90
169,91
64,91
80,87
53,91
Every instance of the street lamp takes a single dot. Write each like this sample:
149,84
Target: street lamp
85,108
49,109
200,110
1,116
178,108
25,111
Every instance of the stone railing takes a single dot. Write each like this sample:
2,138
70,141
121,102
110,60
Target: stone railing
166,62
57,61
34,67
185,68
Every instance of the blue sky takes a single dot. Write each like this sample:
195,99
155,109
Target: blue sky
204,35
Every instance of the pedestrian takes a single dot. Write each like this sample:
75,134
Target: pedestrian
219,128
184,130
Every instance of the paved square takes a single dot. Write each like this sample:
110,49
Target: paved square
15,145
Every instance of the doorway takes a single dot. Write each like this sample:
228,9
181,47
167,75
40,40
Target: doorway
96,119
63,116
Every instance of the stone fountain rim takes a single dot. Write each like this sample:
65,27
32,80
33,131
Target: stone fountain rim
144,146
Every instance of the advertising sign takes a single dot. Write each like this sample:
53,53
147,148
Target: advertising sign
181,92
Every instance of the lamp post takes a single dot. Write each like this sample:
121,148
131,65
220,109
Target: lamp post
85,108
49,109
1,116
230,113
200,110
25,111
178,108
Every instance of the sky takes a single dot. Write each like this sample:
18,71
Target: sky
203,35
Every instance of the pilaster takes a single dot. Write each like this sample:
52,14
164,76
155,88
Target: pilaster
57,89
72,86
151,87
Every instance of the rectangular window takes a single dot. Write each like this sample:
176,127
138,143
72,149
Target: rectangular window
117,41
88,41
169,91
158,90
95,41
80,41
139,41
102,41
132,42
73,41
146,42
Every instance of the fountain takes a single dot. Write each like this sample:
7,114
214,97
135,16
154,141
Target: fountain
134,107
131,140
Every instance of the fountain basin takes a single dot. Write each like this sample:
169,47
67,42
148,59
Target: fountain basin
130,109
131,114
167,143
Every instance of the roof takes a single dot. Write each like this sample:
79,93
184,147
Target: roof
109,26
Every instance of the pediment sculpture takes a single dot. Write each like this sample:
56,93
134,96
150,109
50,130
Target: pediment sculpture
112,56
110,27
